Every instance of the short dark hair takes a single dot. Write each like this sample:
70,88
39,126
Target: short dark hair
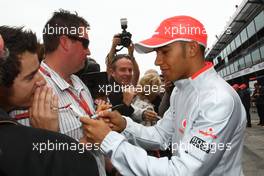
17,41
118,57
61,19
202,48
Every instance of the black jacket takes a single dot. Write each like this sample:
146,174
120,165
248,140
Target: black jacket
245,97
116,98
19,155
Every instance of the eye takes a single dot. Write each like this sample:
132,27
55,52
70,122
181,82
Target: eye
30,77
165,51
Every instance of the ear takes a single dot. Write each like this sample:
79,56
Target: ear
1,44
64,42
192,49
111,71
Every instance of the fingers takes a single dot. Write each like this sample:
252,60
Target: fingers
109,114
91,122
41,99
48,98
102,105
41,83
98,101
107,121
88,125
95,130
87,121
41,113
150,115
131,47
128,95
35,101
116,39
153,113
30,115
55,101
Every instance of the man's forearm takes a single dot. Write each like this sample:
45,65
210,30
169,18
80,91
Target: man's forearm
146,137
136,72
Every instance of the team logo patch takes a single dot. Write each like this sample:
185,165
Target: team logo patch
183,126
208,133
201,144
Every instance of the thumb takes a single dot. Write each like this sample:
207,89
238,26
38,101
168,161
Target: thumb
103,113
100,120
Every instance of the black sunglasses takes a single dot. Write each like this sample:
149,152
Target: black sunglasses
84,41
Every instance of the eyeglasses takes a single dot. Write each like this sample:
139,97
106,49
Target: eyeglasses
84,41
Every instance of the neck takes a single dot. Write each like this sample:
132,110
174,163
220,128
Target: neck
196,66
57,64
6,107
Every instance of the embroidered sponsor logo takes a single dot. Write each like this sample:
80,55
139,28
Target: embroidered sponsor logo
208,133
183,126
201,144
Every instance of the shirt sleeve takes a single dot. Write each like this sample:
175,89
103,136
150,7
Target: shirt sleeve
151,138
137,114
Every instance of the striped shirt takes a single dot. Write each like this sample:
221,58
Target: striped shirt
69,123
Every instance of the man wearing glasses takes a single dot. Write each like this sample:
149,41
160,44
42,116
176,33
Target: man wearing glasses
66,40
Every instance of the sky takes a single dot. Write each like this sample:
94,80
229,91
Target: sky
143,17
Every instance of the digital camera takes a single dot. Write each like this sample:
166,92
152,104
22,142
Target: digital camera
125,36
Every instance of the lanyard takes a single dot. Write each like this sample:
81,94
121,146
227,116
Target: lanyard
21,116
82,103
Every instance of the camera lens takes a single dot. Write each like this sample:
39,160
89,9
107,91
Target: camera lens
125,41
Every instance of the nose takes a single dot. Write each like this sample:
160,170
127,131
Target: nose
158,60
40,81
87,52
128,72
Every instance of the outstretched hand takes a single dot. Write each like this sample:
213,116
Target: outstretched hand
114,120
94,130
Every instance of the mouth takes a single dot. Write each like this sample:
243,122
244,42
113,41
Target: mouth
125,78
163,71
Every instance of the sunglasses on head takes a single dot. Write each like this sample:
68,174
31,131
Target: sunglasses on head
84,41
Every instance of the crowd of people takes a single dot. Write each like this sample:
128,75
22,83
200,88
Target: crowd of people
187,121
249,98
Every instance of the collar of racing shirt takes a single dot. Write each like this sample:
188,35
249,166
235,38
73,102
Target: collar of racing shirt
197,77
